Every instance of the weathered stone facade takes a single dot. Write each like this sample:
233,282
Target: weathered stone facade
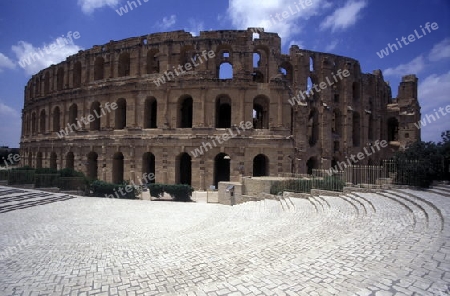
154,129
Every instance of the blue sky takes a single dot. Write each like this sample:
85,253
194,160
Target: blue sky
353,28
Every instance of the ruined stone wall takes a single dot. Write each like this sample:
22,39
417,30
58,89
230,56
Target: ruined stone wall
143,127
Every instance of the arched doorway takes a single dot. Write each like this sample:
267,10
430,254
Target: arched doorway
148,167
92,165
70,161
183,169
311,164
221,168
53,161
118,165
260,166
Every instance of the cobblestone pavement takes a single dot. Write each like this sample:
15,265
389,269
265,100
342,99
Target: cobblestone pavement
389,243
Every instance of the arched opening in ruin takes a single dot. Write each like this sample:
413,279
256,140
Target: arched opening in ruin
313,127
186,54
261,112
223,112
256,60
311,64
53,161
226,70
76,74
33,123
46,83
309,87
258,76
183,169
92,165
356,127
370,132
148,167
124,64
118,168
30,159
39,160
73,114
60,78
260,165
99,68
42,121
120,121
287,70
185,110
336,124
153,61
95,111
150,112
392,129
356,91
56,119
311,165
70,160
221,168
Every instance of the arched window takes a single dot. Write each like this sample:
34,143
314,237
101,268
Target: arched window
150,113
73,115
221,168
118,168
185,112
261,113
183,169
313,127
260,165
153,61
92,165
33,123
77,74
56,119
356,90
148,167
121,114
223,112
96,112
124,64
99,68
53,161
42,121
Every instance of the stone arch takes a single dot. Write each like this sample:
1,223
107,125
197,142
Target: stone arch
356,91
185,112
56,119
123,67
311,164
99,68
60,79
73,114
356,127
120,118
92,165
33,123
225,70
70,160
148,167
313,127
118,168
187,53
287,70
392,129
39,160
260,165
221,168
76,78
223,112
95,111
261,108
150,113
183,173
153,61
53,161
42,121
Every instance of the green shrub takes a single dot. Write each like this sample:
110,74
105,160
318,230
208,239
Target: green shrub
68,172
105,189
46,171
45,180
178,192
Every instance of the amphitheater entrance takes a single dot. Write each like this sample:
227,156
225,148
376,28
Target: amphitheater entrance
53,161
221,168
223,112
311,164
118,165
148,167
392,129
260,166
70,161
185,110
92,165
183,169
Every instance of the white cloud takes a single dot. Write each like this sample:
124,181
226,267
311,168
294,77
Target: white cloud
195,27
5,62
440,51
331,46
344,17
433,94
88,6
10,126
32,59
413,67
167,22
280,16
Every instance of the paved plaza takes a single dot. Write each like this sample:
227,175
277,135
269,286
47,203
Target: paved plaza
395,242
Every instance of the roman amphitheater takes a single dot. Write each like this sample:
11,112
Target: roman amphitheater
137,126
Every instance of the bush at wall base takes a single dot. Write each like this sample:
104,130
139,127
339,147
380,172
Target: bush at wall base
179,192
